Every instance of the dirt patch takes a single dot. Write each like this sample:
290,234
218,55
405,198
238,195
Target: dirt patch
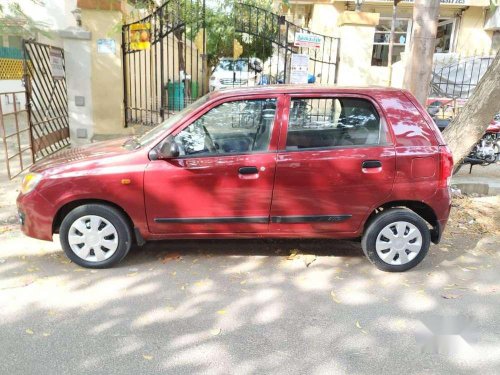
478,215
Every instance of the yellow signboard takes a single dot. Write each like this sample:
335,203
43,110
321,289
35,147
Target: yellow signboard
140,36
237,49
199,40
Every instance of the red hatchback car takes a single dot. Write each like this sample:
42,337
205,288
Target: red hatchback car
278,161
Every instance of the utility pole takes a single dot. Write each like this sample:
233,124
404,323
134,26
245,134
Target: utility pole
391,40
420,59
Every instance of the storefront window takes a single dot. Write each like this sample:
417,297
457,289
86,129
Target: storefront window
444,36
380,55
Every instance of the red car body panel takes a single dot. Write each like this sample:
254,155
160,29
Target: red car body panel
206,197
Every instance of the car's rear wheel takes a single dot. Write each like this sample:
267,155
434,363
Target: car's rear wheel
95,236
396,240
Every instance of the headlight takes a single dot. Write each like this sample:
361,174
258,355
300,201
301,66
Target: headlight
29,182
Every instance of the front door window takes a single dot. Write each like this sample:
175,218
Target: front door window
237,127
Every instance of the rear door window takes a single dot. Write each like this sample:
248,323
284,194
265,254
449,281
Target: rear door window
332,122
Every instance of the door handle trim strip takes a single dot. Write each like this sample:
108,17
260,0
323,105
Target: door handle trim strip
202,220
255,219
310,219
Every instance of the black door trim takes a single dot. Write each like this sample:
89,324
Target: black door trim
310,219
256,219
202,220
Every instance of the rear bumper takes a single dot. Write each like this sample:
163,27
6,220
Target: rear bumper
441,204
35,215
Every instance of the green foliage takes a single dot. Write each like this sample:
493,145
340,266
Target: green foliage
186,16
220,26
15,22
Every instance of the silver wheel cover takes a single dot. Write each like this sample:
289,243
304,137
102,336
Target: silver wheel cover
399,243
93,238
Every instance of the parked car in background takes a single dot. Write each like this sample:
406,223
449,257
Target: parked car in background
271,162
235,73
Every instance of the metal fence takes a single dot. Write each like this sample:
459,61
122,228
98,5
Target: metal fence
15,132
263,29
456,77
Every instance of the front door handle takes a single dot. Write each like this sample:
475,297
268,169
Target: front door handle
248,170
371,164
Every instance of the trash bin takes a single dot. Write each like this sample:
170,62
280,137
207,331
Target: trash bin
194,90
175,92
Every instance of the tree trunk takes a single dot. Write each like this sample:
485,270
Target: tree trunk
473,119
419,61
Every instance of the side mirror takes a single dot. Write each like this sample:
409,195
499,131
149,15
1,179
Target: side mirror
168,150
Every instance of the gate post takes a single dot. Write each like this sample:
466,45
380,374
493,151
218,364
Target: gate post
78,79
356,29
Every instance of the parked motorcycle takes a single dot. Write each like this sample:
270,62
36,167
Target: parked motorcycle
487,150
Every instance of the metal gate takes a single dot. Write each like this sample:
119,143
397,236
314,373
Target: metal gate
279,40
164,61
458,79
46,98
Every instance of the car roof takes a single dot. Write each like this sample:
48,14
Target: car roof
303,89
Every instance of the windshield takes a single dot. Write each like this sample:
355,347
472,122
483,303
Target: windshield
153,134
231,65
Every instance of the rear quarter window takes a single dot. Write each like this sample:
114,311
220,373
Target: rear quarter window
408,125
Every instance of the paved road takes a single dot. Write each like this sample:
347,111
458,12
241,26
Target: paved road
248,307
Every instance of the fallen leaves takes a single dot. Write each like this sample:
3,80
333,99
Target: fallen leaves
334,297
451,296
170,256
308,259
29,331
147,357
221,312
358,325
215,332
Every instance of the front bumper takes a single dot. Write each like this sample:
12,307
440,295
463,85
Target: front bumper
36,215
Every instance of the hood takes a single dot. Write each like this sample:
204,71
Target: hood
228,74
88,153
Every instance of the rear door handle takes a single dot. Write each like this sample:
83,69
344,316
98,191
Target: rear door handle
248,170
371,164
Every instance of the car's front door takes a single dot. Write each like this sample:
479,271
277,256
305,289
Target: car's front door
336,161
222,180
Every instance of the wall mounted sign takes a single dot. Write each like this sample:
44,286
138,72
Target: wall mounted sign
298,68
106,46
140,36
56,63
308,40
478,3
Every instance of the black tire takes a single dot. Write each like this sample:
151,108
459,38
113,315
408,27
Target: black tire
379,222
113,216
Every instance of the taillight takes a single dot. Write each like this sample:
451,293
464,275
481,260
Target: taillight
445,166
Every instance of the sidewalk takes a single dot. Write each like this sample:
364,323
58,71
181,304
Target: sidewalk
482,180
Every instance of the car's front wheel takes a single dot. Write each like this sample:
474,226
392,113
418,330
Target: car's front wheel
95,236
396,240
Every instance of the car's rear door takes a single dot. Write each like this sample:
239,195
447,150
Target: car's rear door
336,161
222,182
